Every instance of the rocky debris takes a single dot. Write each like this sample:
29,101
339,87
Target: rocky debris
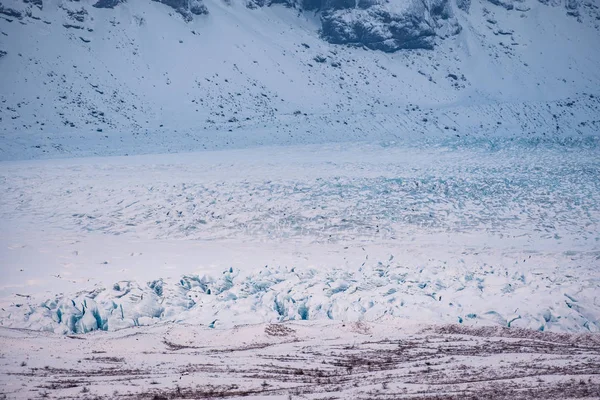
197,7
2,53
107,3
572,7
507,4
37,3
464,5
70,26
10,12
335,4
550,2
77,15
572,4
252,4
579,9
187,8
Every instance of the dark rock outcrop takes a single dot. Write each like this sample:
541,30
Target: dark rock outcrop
107,3
553,3
187,8
464,5
77,15
507,4
572,7
328,4
197,7
578,9
37,3
387,25
381,27
9,12
377,29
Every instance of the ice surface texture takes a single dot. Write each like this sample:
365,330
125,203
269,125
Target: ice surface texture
538,298
544,191
496,233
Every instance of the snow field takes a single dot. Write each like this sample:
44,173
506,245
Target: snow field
504,235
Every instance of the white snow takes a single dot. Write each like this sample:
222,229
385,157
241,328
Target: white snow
300,360
232,206
503,235
154,83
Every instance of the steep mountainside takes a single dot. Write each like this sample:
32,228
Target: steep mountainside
118,77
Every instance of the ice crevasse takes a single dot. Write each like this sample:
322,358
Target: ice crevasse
483,295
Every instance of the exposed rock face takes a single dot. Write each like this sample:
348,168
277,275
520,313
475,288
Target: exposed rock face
377,29
252,4
187,8
387,25
2,53
572,4
464,5
9,12
579,9
572,7
384,27
37,3
77,15
550,2
328,4
507,4
197,7
107,3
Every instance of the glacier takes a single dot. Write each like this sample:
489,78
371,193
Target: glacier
371,199
510,296
486,232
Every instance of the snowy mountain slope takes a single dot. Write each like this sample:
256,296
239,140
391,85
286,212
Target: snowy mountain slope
78,79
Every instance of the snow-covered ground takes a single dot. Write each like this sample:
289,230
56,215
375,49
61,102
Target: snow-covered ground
301,360
503,233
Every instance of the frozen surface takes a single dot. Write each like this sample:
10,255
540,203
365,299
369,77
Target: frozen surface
487,233
301,360
463,189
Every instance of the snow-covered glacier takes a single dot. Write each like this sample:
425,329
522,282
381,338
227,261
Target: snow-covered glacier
477,233
462,189
366,199
542,299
